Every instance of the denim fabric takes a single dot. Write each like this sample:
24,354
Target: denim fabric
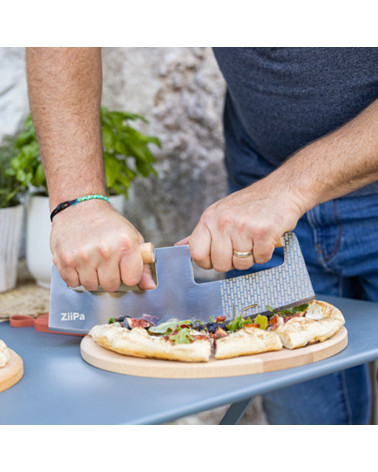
339,243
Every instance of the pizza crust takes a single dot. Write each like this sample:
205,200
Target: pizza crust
247,341
321,321
4,354
138,343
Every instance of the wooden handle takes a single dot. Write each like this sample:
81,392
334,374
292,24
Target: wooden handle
148,252
279,243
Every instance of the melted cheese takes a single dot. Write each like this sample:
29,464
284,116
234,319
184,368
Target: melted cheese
4,354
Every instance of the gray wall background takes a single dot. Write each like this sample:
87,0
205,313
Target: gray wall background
180,91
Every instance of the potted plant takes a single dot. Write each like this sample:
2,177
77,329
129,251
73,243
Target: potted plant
126,155
11,217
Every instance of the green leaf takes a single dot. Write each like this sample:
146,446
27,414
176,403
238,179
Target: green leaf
168,326
184,336
107,137
262,321
238,323
295,309
39,177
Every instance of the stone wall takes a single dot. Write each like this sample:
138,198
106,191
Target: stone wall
180,91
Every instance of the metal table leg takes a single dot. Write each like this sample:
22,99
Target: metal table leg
236,411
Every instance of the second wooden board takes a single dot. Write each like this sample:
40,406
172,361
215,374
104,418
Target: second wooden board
12,372
245,365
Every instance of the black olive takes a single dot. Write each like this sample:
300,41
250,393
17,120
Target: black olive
199,327
212,327
126,323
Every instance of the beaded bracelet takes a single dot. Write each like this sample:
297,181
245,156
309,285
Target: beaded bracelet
64,205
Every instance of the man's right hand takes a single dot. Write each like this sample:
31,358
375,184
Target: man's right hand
94,245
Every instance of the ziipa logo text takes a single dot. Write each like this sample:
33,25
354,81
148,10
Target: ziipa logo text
72,316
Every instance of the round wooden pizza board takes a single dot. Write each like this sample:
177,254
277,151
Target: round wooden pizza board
12,372
245,365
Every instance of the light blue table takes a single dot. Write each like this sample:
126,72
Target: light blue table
59,387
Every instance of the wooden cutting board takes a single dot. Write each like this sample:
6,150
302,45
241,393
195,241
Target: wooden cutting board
12,372
245,365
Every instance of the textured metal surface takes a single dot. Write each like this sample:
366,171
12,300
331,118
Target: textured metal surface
179,296
280,287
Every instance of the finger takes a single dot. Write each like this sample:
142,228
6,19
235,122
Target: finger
147,282
66,267
182,242
109,275
131,267
263,250
242,244
70,276
221,252
200,246
88,278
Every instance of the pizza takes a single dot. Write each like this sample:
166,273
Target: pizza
4,354
196,341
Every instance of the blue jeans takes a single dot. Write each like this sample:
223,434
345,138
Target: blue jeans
339,243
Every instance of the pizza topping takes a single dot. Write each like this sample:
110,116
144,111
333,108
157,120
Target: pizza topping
131,323
186,331
181,336
220,333
275,322
4,354
168,326
262,321
238,323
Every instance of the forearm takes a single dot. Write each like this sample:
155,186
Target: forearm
64,87
335,164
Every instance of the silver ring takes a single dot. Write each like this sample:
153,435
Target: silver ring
242,254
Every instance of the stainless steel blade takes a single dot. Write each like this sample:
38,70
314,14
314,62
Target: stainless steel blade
179,296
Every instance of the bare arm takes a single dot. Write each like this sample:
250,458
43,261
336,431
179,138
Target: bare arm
91,243
65,94
257,216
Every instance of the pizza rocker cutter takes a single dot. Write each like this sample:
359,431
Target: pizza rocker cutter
179,296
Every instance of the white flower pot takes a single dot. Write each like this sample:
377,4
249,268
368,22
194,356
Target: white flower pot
38,254
10,237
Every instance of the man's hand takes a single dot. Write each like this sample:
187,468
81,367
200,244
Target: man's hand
252,219
94,245
91,243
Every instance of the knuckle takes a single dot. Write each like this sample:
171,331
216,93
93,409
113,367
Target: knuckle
84,255
104,251
224,221
208,215
260,232
244,225
67,259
